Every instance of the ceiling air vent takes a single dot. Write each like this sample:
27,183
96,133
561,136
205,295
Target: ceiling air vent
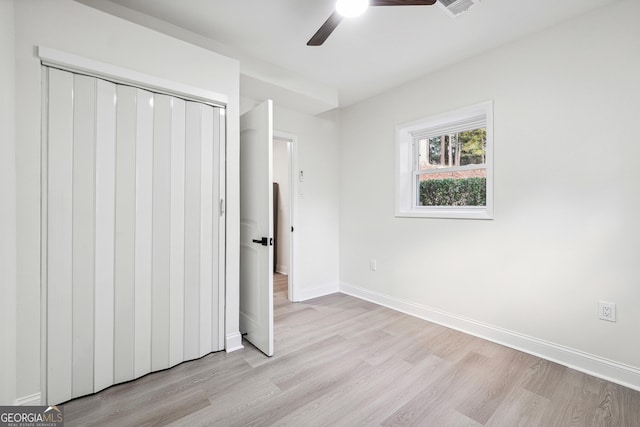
456,7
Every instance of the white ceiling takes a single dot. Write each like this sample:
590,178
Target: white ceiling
384,48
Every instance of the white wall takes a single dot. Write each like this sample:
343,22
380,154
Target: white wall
282,175
7,207
315,246
566,232
81,30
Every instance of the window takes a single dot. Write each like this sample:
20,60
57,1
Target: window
444,165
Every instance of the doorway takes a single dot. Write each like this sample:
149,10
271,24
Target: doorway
284,199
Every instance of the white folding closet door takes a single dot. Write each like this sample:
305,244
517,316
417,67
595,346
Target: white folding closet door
133,232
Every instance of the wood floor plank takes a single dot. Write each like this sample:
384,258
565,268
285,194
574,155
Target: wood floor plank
543,378
382,402
520,408
341,361
317,385
354,395
494,385
575,400
449,390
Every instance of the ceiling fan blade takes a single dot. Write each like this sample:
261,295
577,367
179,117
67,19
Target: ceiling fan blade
402,2
325,30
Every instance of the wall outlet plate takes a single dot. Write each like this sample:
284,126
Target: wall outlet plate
373,265
607,311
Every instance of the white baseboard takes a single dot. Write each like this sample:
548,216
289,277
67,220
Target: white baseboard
315,292
282,269
619,373
233,342
31,400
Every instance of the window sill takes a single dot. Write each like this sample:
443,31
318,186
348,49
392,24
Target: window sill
446,213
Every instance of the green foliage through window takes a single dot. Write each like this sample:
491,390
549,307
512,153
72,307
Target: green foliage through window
458,149
454,192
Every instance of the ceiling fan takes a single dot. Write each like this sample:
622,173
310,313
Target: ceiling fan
350,8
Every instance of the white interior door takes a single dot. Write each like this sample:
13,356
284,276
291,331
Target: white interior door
256,227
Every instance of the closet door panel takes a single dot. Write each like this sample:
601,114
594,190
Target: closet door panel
143,232
176,301
193,147
60,236
161,231
206,228
105,234
125,234
83,213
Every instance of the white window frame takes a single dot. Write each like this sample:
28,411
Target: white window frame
406,159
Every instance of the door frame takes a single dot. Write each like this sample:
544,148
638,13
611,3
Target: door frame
292,139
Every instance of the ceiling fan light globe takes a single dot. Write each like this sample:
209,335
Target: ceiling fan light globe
351,8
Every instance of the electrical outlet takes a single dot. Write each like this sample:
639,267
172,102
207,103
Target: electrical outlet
373,265
607,311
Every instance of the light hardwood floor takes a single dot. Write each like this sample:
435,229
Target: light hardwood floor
340,361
